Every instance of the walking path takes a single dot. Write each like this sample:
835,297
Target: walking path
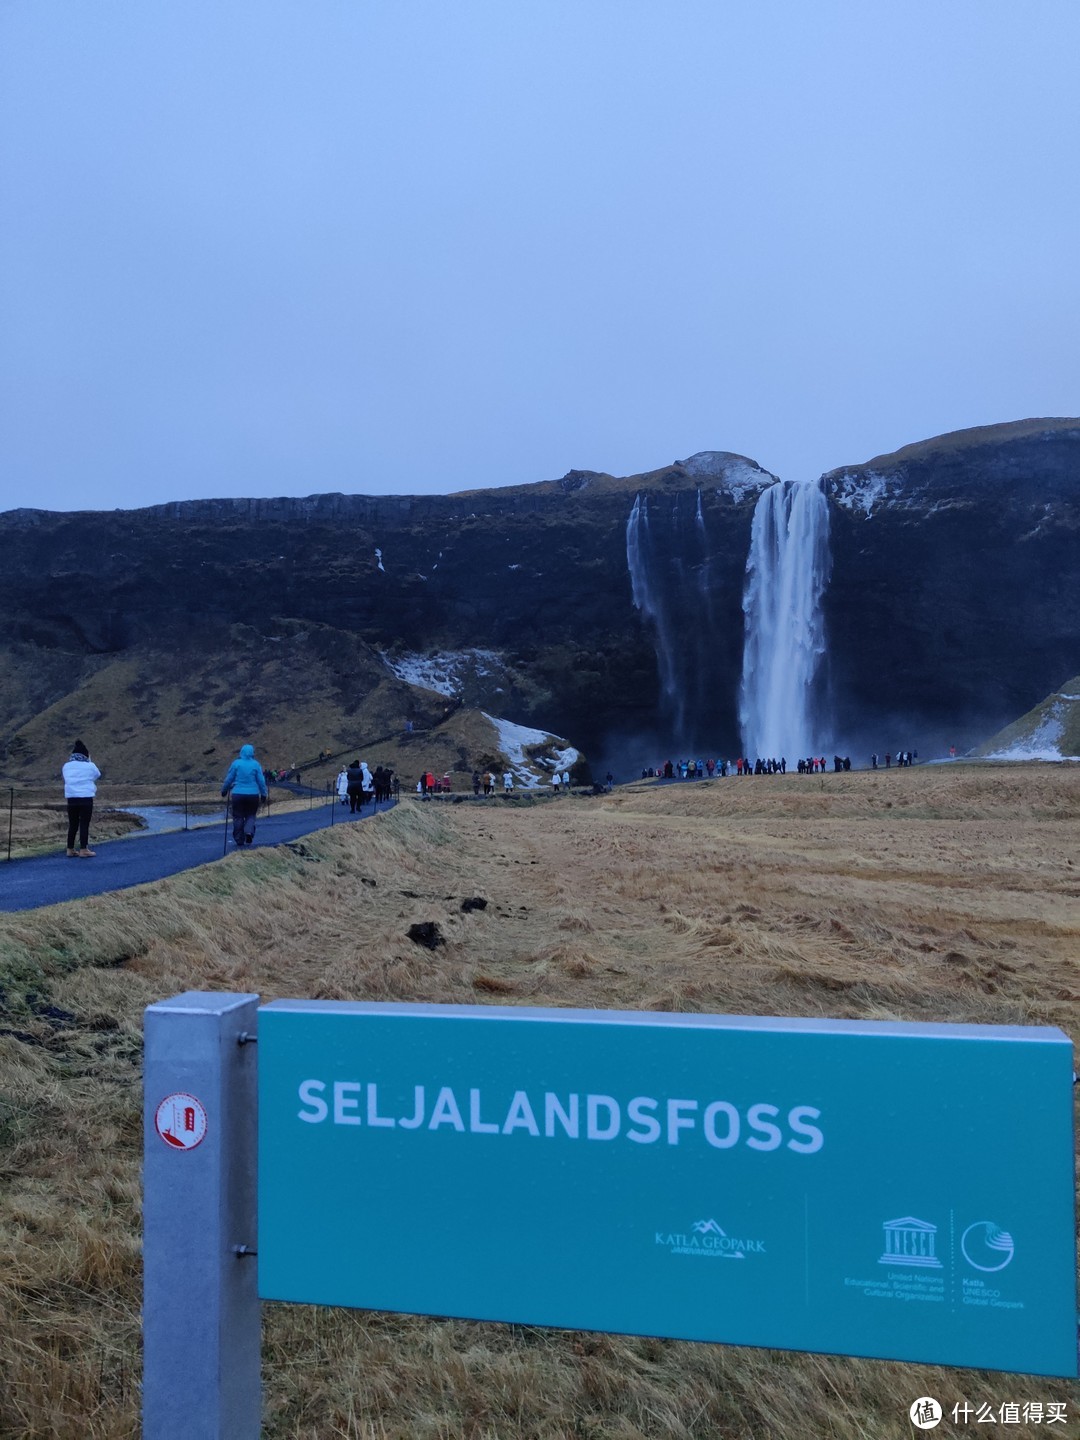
136,859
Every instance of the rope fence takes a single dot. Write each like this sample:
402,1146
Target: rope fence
37,810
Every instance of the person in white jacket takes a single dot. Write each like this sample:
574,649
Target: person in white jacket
343,785
80,787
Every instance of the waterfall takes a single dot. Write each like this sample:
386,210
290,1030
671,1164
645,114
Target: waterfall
649,599
704,568
787,570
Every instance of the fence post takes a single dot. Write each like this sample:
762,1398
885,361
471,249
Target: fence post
201,1321
10,818
185,806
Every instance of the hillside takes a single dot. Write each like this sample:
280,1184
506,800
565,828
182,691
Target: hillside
1049,731
152,714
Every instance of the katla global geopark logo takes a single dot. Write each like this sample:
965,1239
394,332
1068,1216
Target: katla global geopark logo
709,1240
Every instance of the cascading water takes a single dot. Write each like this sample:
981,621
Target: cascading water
649,600
787,571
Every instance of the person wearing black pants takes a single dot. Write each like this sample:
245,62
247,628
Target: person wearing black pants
79,813
80,787
246,783
244,810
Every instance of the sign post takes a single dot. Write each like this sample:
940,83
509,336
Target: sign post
872,1188
201,1321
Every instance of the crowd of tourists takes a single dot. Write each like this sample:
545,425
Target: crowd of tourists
486,782
357,785
810,765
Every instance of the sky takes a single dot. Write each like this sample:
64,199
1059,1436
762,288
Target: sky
284,247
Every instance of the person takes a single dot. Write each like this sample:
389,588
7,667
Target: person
476,782
566,782
354,786
343,785
80,786
245,783
508,783
556,781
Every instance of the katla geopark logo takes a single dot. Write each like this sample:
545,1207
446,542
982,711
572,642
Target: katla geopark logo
985,1246
709,1240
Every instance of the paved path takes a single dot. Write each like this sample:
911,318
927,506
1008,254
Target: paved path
139,858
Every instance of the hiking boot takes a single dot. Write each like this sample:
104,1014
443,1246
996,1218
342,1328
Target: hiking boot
86,854
71,854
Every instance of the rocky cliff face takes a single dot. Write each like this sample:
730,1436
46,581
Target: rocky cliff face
954,602
537,574
955,592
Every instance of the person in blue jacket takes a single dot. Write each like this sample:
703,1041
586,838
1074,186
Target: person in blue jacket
246,783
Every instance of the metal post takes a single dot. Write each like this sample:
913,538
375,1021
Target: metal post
185,806
225,841
10,818
201,1321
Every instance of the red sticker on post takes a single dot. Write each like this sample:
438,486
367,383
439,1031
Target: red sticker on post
180,1120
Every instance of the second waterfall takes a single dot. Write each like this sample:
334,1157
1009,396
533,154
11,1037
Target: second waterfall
787,571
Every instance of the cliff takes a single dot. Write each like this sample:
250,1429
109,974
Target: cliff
954,602
955,591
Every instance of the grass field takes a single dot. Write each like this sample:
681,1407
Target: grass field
944,893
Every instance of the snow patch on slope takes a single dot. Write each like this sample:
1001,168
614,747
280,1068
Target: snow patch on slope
861,491
531,771
1044,741
444,672
735,476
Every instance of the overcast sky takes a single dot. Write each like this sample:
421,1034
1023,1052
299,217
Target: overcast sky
264,247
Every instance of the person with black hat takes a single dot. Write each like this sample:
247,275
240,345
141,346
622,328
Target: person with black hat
80,787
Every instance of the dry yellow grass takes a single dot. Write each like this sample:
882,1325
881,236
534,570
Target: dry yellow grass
946,894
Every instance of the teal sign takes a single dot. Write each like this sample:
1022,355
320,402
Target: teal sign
857,1188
